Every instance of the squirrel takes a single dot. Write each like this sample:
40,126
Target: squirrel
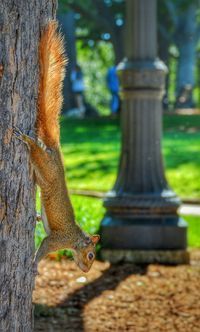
46,158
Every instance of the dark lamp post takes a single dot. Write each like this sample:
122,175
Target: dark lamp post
141,223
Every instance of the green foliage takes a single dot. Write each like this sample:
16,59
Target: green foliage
95,61
94,17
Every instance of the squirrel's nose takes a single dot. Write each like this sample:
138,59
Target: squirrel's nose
84,268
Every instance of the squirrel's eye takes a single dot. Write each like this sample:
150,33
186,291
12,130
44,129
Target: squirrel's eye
87,240
90,256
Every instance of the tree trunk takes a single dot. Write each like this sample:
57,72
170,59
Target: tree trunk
117,40
186,44
21,23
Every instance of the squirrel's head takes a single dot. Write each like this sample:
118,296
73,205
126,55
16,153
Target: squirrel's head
84,252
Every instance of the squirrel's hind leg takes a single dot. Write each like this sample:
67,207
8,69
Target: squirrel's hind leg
21,136
40,158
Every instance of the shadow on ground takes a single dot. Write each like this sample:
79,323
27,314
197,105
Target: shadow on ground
119,298
69,314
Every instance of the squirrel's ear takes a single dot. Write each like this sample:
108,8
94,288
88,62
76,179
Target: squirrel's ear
95,239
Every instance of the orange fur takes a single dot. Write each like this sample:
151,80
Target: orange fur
52,71
57,211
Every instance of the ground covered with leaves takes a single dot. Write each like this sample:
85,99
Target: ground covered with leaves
123,297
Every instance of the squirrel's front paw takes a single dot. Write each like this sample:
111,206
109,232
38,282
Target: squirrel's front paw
17,132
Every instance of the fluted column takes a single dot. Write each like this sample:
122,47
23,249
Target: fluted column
141,208
141,34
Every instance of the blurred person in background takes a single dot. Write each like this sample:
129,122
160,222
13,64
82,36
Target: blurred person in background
113,86
78,88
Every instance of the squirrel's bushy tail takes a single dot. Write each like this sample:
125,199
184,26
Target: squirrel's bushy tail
52,71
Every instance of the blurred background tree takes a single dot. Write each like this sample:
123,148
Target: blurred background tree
99,44
179,33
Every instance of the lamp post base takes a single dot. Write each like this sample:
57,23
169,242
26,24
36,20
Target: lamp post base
172,257
144,233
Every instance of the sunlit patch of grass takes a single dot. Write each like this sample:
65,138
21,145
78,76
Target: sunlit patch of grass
193,231
89,212
91,151
182,180
182,160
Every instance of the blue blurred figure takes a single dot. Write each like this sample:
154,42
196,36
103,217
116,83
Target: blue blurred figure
113,86
78,88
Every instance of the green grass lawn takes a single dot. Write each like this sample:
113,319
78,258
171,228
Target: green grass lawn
193,231
91,153
181,147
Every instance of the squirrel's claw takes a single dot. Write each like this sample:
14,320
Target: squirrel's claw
17,132
22,137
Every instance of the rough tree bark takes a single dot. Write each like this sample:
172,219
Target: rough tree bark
186,43
21,23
